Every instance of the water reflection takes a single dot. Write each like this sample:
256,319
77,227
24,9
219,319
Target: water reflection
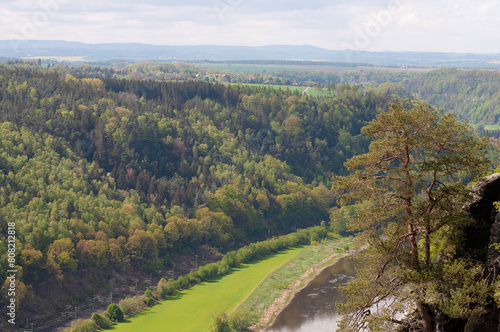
313,308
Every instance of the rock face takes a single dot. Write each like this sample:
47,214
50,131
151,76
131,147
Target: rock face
479,240
487,228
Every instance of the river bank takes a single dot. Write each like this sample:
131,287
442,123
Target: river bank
279,287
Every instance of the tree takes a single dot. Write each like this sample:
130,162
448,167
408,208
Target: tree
60,257
412,187
32,261
114,312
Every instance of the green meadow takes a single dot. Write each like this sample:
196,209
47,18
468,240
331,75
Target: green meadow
273,86
491,127
253,67
321,92
192,310
312,91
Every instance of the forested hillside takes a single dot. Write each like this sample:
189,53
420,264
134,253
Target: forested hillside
124,173
472,95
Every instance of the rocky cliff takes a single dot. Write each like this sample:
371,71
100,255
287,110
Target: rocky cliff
486,230
480,240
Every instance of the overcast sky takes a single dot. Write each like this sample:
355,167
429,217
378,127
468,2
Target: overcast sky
371,25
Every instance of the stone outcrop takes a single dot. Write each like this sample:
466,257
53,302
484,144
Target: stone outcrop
480,238
486,230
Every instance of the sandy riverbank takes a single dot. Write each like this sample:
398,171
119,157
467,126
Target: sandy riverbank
280,303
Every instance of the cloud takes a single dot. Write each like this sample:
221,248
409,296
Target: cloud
438,25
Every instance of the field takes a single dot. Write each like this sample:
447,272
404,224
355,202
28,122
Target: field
315,92
58,58
255,67
275,87
491,127
192,310
311,92
274,67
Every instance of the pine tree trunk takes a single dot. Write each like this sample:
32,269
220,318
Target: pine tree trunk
426,318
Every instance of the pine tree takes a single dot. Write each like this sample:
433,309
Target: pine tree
412,186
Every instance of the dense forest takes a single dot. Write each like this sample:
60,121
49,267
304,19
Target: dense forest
472,95
110,172
134,166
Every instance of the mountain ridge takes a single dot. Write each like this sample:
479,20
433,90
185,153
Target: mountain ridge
140,51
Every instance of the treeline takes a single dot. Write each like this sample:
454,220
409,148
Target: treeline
366,77
110,172
313,73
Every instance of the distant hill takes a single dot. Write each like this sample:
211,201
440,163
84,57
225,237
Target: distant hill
472,95
137,51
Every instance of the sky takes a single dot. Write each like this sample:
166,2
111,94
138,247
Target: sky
369,25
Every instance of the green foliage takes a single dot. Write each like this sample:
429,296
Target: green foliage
192,310
97,171
237,321
148,293
240,320
81,325
208,271
131,306
220,324
471,94
102,322
148,298
149,301
412,183
247,254
114,312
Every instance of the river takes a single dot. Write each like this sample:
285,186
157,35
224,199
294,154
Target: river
313,308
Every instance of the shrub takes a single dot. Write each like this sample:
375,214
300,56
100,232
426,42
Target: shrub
244,254
114,313
102,322
163,292
208,271
131,306
183,282
292,240
223,269
161,289
172,287
276,245
148,301
148,293
220,324
194,278
240,320
231,259
81,325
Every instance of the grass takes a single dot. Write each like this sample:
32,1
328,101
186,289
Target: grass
491,127
57,58
311,92
254,67
273,86
193,309
315,92
305,265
